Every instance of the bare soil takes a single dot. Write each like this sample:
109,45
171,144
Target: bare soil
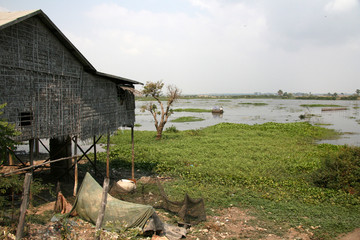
228,223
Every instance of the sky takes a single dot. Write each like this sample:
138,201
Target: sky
216,46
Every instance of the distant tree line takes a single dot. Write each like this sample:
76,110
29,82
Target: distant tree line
279,95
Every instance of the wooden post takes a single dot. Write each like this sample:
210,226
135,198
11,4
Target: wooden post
37,148
95,157
60,147
101,214
31,153
108,156
75,167
132,154
10,158
24,206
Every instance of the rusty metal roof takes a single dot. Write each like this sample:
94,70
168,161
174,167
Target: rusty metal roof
10,18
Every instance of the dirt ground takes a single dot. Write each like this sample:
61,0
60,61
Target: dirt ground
228,223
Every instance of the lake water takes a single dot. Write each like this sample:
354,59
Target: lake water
276,110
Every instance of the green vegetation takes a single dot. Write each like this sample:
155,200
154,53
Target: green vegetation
323,124
187,119
172,129
320,105
7,131
268,169
254,104
352,97
191,110
11,186
340,171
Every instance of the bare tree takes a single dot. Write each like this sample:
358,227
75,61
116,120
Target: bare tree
154,89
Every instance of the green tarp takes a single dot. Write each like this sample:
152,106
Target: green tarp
120,213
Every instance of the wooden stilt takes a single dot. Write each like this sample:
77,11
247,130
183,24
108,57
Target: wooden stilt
108,156
24,206
75,167
31,153
60,147
37,148
10,158
95,157
101,214
132,154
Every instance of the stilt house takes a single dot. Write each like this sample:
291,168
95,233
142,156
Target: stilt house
51,90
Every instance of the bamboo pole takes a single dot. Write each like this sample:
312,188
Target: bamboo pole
37,148
31,153
101,214
24,206
108,156
10,158
75,167
35,166
132,154
95,157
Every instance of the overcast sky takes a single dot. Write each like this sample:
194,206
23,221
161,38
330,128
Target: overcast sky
216,46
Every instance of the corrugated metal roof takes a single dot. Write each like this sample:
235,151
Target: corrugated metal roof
10,18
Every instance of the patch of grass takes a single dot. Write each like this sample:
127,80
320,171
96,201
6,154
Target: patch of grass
137,125
172,129
188,119
254,104
323,124
191,110
224,100
266,168
320,105
340,171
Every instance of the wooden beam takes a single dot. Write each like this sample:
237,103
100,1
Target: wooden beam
95,156
76,167
108,156
24,206
132,154
36,166
101,213
31,154
11,151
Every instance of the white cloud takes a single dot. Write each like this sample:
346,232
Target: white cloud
225,45
341,5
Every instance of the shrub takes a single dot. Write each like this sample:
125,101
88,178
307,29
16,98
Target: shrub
172,129
7,131
340,171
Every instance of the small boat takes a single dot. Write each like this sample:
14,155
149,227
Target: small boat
334,109
217,110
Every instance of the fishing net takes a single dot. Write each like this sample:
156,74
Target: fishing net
150,191
119,213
